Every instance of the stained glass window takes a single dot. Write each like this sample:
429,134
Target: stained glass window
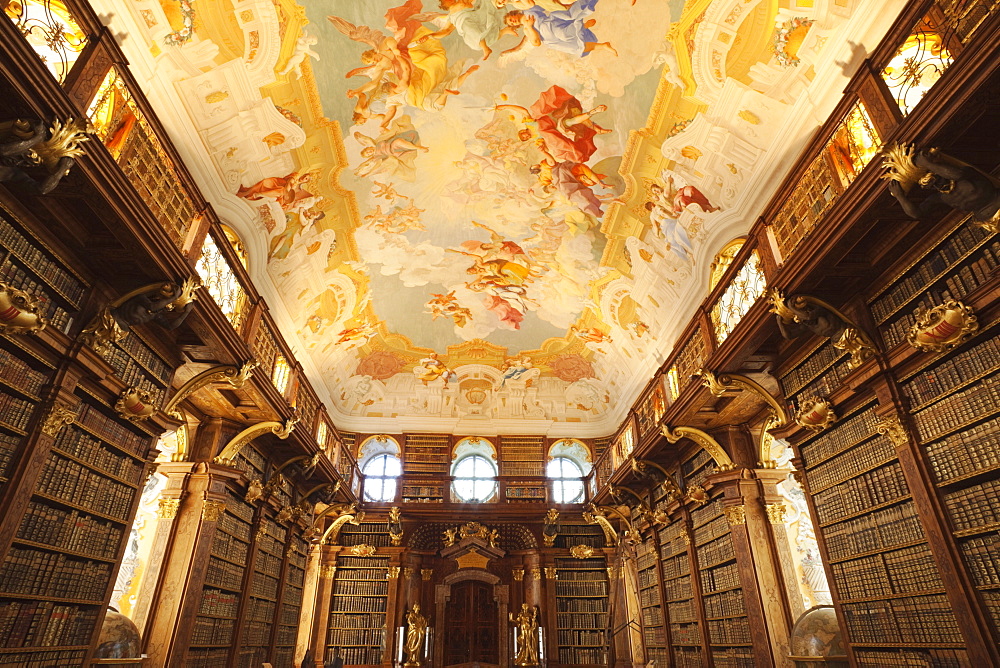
916,67
51,30
746,287
220,281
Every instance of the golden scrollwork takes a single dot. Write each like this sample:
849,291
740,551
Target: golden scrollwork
815,413
363,550
582,551
735,515
58,417
20,313
775,512
894,428
234,376
714,448
167,510
696,494
212,510
255,491
943,327
279,429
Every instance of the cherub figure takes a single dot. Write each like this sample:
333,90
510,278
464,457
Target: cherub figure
431,368
448,306
303,50
558,125
357,336
393,152
675,200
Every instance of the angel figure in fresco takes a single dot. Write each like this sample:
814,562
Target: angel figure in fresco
409,58
303,50
396,220
384,190
287,191
558,125
392,153
357,336
575,181
478,22
567,30
547,5
675,200
514,369
592,337
448,306
431,368
667,227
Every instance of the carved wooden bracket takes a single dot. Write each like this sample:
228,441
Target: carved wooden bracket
234,446
236,377
714,448
798,309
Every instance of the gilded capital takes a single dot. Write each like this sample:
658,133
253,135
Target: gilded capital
735,514
550,573
775,512
894,428
327,571
168,509
392,573
212,510
518,574
426,574
58,417
535,574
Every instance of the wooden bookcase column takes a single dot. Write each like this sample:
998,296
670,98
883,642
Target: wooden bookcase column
324,596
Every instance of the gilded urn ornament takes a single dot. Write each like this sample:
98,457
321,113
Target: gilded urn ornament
20,313
815,413
135,404
942,327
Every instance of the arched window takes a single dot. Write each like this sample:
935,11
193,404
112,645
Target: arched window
565,474
475,479
380,474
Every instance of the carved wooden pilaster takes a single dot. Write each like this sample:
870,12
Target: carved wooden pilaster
310,586
324,592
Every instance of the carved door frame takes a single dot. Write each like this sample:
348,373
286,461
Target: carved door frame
442,595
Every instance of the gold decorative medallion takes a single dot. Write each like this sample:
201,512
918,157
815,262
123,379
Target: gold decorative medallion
212,510
135,404
582,551
735,515
363,550
815,413
167,509
20,313
943,327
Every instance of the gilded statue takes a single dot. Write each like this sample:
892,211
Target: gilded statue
526,635
416,630
395,526
551,528
449,536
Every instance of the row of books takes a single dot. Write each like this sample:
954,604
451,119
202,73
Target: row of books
975,506
579,620
706,513
816,363
879,530
289,614
718,551
113,431
967,452
846,433
729,631
678,588
858,459
675,565
132,374
358,620
45,624
363,562
652,616
18,373
78,443
218,603
360,656
358,604
16,277
76,484
423,492
647,578
688,657
874,488
229,547
264,586
957,369
564,542
660,656
898,658
369,636
653,636
223,574
360,588
69,530
934,264
274,536
573,638
585,588
267,563
824,384
717,579
294,576
144,355
206,658
971,404
292,595
211,631
286,635
346,573
15,411
681,611
725,604
589,575
233,527
733,657
40,573
982,556
259,609
348,538
598,604
39,261
63,657
914,619
526,492
685,633
645,557
649,596
251,461
695,470
255,633
8,446
710,531
905,571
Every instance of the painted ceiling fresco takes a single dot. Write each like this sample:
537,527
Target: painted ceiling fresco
488,212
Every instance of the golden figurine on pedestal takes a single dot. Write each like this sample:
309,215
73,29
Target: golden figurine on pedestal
527,635
416,630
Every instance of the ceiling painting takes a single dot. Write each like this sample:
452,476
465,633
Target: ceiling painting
486,212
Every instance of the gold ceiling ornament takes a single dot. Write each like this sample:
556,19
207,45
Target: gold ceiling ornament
135,404
212,510
281,430
776,512
167,510
59,416
714,448
815,413
735,515
894,428
582,551
900,166
943,327
801,314
235,376
362,550
20,313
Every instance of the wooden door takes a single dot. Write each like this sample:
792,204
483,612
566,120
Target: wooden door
471,625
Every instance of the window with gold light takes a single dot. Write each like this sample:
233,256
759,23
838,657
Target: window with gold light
51,30
219,279
673,384
746,287
282,374
918,64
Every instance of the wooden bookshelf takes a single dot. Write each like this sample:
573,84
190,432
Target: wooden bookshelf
427,453
293,580
260,608
582,592
358,610
522,455
652,613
